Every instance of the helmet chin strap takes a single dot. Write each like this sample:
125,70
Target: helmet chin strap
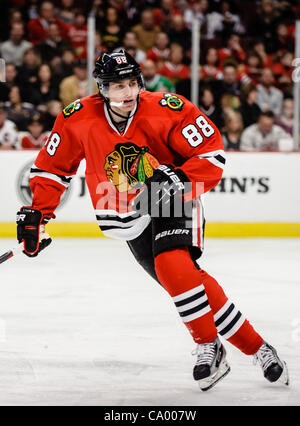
119,104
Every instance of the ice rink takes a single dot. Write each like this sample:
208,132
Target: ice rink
82,324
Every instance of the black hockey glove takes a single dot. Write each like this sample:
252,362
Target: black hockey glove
31,231
161,190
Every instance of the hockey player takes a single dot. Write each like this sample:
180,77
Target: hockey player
142,150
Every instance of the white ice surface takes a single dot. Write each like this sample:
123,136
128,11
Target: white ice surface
82,324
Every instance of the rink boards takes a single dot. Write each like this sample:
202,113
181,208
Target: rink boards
258,196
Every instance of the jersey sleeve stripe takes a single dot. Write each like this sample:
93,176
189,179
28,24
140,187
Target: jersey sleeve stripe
217,158
117,219
63,180
113,213
115,224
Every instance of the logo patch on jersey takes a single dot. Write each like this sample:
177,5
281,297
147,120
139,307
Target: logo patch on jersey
72,108
129,165
171,101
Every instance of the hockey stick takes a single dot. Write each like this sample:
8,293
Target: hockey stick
13,252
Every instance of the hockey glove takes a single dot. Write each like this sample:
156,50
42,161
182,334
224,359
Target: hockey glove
161,190
31,231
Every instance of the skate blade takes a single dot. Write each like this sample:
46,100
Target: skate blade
284,378
209,382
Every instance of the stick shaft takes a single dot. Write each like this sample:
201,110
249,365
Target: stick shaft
9,254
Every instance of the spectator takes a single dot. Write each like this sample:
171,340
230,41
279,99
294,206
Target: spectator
77,34
32,9
65,67
66,11
263,136
146,31
180,34
259,48
160,51
199,10
232,132
53,109
34,137
13,49
164,13
269,98
264,24
15,17
99,8
251,71
284,67
223,23
8,131
286,118
18,111
230,85
75,86
249,109
11,74
211,68
229,103
208,105
38,28
98,45
153,81
132,10
11,79
174,69
283,71
130,43
112,33
233,50
43,91
29,68
283,41
52,47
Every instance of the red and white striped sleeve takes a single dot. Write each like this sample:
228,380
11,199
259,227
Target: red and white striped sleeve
54,168
199,142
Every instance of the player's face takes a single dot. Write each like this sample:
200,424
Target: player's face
125,91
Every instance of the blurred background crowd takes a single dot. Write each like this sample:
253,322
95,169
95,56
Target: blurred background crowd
245,76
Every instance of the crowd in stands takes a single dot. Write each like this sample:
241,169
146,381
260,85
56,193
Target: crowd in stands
245,72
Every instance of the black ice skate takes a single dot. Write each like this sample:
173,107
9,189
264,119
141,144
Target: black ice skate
273,368
211,365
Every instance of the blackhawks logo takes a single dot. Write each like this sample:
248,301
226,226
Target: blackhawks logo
73,107
172,101
129,165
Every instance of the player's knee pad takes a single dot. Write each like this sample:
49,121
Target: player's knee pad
176,270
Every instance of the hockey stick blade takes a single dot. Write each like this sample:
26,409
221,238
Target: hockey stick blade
9,254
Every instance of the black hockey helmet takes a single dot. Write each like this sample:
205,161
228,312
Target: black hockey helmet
115,66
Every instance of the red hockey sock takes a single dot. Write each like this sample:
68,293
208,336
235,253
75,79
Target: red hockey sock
179,276
230,323
202,303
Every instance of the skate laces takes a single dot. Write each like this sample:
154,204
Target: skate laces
265,357
205,353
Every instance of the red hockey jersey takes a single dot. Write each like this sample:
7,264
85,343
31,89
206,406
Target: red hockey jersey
164,129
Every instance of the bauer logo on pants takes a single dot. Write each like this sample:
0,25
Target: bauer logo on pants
172,232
